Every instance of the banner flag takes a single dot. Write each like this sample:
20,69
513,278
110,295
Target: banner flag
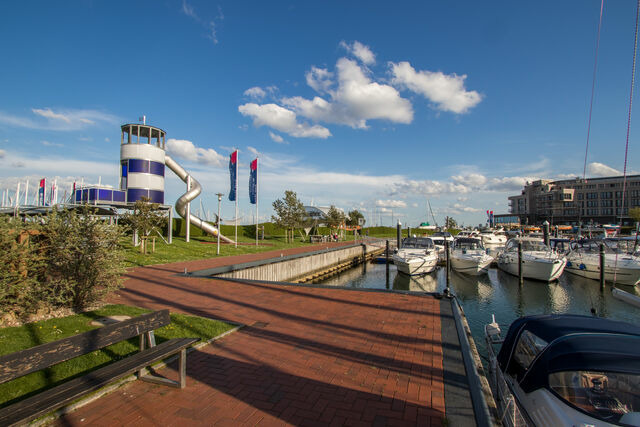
233,173
41,192
253,182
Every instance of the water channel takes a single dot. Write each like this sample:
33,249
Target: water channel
498,293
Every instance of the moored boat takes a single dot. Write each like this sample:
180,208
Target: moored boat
620,267
417,255
470,257
539,262
565,370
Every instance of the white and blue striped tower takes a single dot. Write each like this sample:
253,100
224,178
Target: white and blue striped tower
142,162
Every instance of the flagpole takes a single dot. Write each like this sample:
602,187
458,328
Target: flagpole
237,191
257,194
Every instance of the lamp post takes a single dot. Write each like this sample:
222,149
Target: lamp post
219,200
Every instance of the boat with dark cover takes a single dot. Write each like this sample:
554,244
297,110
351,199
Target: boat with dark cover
566,370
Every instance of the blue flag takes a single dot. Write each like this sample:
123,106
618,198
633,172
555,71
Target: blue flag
233,172
253,182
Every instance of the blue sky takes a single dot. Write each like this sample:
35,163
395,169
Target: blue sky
366,105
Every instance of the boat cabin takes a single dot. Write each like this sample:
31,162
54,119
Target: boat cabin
417,243
467,243
591,364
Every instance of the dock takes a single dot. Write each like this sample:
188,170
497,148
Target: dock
306,355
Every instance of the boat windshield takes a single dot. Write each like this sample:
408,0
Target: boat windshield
624,245
527,245
468,243
417,243
593,246
609,396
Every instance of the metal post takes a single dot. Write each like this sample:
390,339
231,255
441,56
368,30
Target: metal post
170,230
188,215
520,277
386,254
408,231
399,235
602,259
447,265
545,232
219,200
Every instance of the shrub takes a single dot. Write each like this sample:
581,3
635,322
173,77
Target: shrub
22,262
84,258
65,259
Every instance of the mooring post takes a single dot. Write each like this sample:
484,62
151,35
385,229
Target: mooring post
520,277
399,235
602,266
386,253
545,231
447,266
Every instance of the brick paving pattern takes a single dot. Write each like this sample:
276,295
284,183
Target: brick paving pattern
308,356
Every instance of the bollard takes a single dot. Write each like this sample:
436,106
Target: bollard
545,231
602,266
520,277
399,235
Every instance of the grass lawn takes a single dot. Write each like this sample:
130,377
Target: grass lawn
200,247
32,334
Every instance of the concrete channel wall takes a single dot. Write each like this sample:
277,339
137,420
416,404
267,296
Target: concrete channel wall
289,269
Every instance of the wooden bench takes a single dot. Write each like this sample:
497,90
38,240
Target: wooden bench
34,359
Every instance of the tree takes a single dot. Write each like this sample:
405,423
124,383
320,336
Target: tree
335,218
354,217
290,213
145,218
450,223
635,214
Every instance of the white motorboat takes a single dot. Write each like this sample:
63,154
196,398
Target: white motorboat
565,370
470,257
584,260
417,255
466,233
439,238
489,237
539,262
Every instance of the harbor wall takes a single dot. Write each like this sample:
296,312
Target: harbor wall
299,268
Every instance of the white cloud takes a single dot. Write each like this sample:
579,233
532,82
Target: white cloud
447,92
391,203
360,51
186,150
281,119
356,99
255,92
277,138
51,144
188,10
209,25
60,120
474,180
464,208
319,79
600,169
3,153
513,183
18,164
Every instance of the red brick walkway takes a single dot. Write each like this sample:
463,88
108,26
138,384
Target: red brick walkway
308,356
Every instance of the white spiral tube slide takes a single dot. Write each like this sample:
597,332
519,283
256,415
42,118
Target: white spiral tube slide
181,204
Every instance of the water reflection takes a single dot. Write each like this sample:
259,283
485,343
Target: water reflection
500,293
422,283
470,287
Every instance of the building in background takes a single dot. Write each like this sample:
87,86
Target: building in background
570,201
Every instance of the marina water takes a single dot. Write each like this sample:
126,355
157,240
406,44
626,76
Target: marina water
497,293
